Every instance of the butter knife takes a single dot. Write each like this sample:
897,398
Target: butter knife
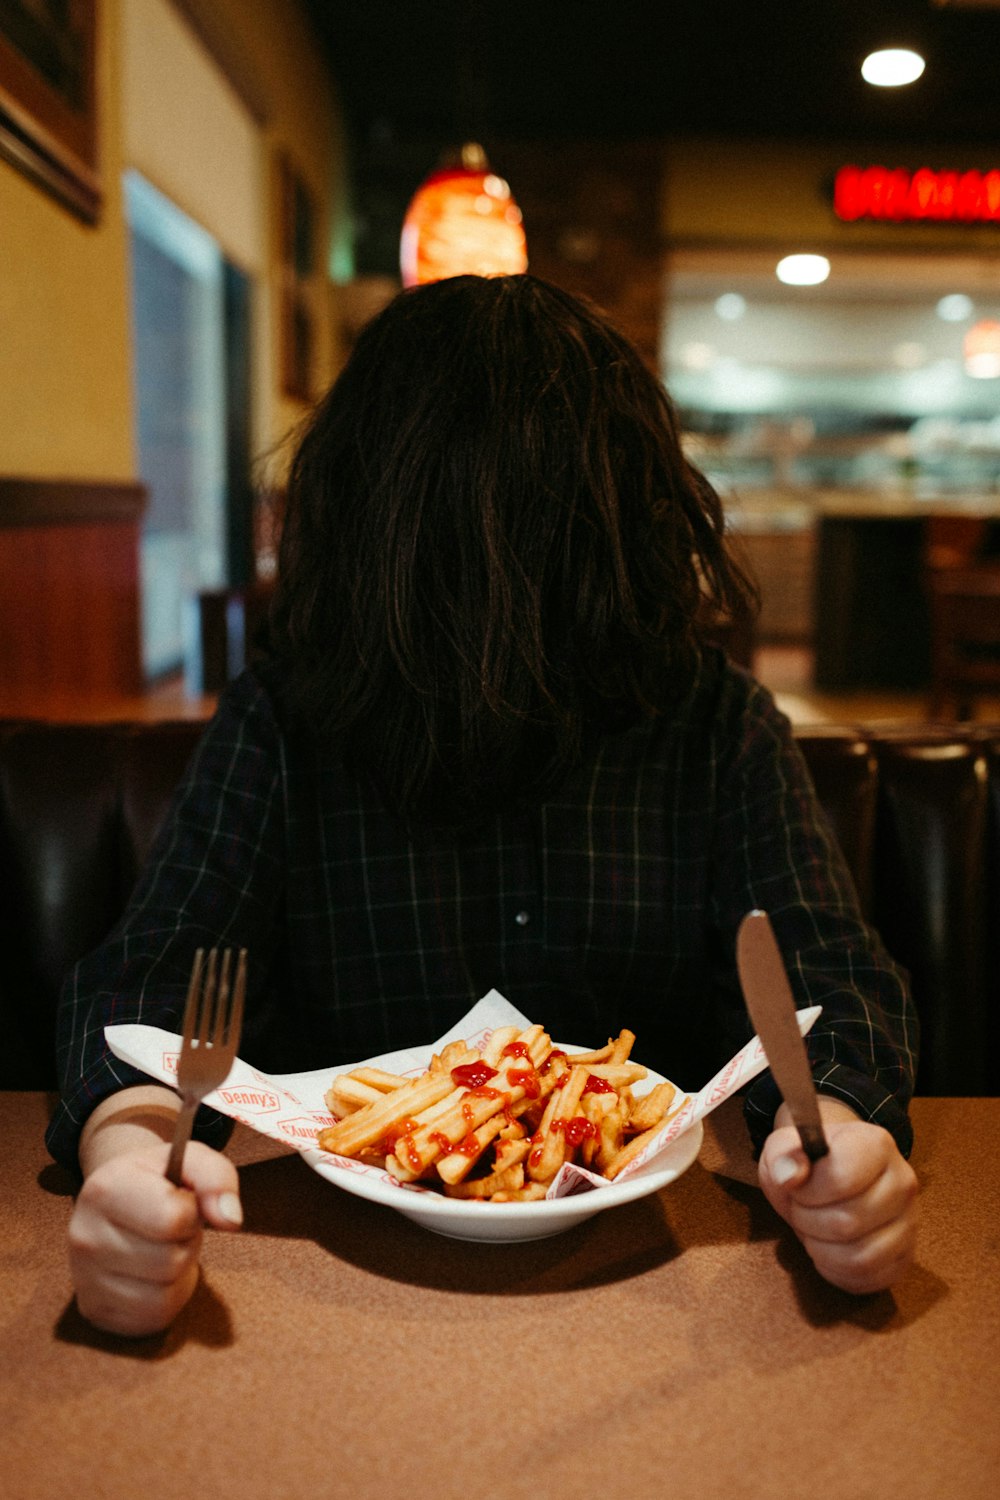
771,1004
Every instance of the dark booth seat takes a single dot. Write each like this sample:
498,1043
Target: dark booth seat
917,812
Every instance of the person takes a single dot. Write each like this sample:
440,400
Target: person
489,743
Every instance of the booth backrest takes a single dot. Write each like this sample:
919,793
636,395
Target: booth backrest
917,812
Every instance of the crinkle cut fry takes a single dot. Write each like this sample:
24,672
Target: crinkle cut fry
532,1192
346,1095
495,1043
610,1136
601,1055
370,1124
628,1153
378,1078
418,1149
619,1075
458,1164
506,1180
594,1107
652,1108
448,1057
361,1086
549,1152
622,1049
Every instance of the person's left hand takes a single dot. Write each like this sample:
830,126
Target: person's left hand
855,1209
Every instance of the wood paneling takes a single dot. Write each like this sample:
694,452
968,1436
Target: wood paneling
69,589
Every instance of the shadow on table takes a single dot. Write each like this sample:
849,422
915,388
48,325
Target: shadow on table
701,1211
824,1305
283,1200
205,1320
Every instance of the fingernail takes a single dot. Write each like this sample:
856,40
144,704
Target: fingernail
784,1169
231,1208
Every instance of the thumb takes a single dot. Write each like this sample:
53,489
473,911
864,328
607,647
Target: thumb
215,1182
789,1170
784,1166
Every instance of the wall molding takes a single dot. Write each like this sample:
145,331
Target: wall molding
68,502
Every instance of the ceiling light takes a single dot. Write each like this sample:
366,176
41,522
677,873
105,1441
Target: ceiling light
462,221
892,67
802,270
730,307
954,308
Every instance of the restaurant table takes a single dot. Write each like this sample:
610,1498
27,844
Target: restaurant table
678,1345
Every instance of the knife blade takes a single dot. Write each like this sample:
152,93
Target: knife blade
769,1000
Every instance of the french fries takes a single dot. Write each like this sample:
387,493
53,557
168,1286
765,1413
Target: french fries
498,1124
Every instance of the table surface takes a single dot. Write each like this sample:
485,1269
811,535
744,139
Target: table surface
679,1344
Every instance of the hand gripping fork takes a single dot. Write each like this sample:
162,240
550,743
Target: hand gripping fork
213,1015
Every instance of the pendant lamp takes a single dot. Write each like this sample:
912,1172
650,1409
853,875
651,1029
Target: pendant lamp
462,221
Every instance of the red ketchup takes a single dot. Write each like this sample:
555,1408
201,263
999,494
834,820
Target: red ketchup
577,1130
468,1146
472,1075
389,1141
595,1085
527,1080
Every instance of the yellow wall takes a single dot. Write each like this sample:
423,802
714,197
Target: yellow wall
65,372
65,381
188,132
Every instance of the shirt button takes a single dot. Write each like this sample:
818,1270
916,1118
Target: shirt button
522,919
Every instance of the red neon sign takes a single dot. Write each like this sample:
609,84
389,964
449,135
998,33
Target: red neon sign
895,195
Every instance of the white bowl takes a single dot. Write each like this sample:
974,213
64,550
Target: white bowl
469,1219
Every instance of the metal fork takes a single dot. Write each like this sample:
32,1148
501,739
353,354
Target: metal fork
213,1016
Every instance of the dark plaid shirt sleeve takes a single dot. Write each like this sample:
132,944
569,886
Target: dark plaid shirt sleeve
774,851
214,875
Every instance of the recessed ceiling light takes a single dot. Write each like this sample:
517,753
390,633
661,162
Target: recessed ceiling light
802,270
892,67
954,308
730,307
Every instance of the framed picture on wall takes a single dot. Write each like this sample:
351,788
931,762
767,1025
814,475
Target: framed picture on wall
298,230
48,106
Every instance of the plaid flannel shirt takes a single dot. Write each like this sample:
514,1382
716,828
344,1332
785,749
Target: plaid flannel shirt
614,903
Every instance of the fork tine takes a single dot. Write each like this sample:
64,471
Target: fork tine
220,1012
235,1024
213,1014
193,1001
208,993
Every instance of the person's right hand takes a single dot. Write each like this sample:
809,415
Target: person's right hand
135,1239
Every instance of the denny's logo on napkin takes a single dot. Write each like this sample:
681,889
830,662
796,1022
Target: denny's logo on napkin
258,1101
305,1127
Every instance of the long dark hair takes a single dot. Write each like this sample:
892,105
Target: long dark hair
492,547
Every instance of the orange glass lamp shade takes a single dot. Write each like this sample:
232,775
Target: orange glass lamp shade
462,222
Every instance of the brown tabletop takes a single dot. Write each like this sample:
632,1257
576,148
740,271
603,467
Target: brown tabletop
680,1345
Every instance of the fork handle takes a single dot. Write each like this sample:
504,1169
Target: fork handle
182,1134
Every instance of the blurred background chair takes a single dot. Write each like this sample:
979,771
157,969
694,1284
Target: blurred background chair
965,637
224,627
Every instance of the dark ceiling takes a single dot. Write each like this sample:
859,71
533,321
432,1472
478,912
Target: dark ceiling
417,79
624,68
